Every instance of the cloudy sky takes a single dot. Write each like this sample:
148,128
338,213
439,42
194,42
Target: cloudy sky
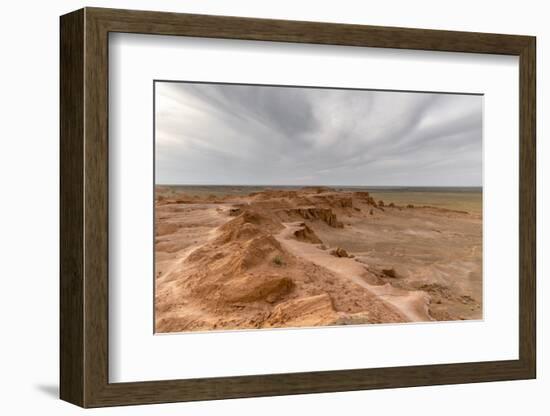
257,135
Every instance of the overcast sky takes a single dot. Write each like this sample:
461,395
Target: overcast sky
255,135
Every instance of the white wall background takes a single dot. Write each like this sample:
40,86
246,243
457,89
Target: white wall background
29,210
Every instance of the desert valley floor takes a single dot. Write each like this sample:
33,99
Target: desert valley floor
314,256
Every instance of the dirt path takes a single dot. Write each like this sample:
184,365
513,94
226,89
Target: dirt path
412,304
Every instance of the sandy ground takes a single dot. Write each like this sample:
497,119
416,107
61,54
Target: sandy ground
309,257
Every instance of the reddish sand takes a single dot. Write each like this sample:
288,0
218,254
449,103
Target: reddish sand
316,256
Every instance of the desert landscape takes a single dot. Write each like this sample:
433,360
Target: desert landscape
301,206
242,257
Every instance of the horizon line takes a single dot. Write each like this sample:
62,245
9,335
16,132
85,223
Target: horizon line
323,185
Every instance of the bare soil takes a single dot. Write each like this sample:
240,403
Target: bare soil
310,257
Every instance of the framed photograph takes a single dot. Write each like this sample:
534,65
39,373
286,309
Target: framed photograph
255,207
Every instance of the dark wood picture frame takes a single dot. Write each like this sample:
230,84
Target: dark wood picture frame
84,207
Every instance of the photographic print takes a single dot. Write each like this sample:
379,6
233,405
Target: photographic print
290,206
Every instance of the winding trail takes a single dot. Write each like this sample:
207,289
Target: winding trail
411,304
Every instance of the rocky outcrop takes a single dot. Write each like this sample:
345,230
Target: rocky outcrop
315,213
256,287
339,252
365,197
255,252
251,217
305,311
333,200
307,235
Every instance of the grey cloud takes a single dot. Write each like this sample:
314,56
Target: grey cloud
243,134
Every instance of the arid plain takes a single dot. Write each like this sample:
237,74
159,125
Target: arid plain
250,257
